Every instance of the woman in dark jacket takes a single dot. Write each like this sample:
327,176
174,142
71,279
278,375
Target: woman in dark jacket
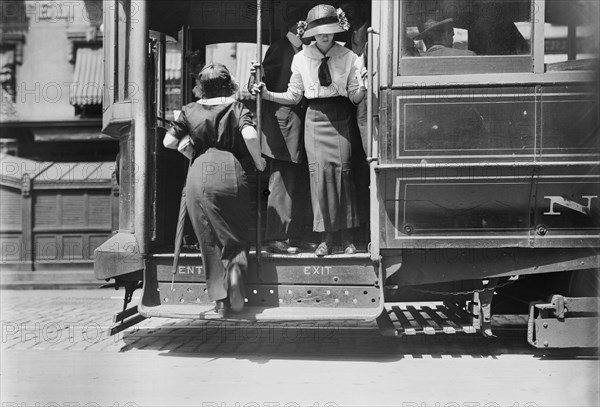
222,131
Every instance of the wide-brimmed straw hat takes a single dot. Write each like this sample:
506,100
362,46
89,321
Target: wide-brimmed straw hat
429,25
325,19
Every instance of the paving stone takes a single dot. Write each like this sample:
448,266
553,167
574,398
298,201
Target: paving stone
31,319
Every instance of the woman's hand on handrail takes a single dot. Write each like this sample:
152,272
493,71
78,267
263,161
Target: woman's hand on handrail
253,66
252,79
257,88
290,97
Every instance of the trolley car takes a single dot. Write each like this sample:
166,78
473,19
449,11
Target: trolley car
482,167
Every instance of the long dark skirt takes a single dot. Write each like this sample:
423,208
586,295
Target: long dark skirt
218,203
329,131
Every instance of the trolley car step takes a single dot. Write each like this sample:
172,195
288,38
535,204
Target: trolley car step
277,288
425,319
263,314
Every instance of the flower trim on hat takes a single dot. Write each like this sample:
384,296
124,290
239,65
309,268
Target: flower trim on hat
301,28
342,20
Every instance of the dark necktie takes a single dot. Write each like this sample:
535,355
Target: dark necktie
324,74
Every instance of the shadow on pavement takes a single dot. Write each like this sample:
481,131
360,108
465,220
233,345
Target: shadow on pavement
261,342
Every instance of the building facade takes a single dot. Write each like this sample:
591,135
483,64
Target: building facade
57,185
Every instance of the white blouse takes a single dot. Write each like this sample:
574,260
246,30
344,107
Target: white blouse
343,66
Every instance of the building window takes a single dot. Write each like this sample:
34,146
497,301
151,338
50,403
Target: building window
85,92
8,111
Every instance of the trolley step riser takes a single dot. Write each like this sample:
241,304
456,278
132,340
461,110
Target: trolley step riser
272,295
300,287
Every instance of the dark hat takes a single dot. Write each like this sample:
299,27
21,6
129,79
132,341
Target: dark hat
293,14
214,71
324,19
429,25
215,80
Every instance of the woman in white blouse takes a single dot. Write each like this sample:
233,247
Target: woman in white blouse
328,75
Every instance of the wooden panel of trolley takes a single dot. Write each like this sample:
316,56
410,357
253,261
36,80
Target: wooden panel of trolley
487,166
487,124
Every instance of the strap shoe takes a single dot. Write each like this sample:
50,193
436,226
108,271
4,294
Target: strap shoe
303,246
281,247
350,249
323,250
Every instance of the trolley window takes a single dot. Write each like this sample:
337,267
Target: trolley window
571,35
465,36
173,80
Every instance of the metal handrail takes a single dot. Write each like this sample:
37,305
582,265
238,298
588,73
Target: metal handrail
258,127
370,54
374,221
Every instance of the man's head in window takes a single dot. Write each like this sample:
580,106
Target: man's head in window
438,37
434,32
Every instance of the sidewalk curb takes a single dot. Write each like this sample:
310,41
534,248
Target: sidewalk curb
49,279
49,286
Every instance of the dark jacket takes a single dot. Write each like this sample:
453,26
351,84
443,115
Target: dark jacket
282,126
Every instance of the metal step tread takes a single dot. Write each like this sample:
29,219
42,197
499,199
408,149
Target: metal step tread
254,313
266,255
426,318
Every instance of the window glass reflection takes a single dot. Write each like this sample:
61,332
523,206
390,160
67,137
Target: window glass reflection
442,28
571,33
173,100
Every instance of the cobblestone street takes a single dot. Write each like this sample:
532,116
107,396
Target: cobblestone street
81,320
56,351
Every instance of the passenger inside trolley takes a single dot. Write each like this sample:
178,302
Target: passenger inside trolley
288,201
438,38
326,74
286,224
464,28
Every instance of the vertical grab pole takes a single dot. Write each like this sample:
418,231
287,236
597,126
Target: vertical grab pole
370,46
374,221
258,127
